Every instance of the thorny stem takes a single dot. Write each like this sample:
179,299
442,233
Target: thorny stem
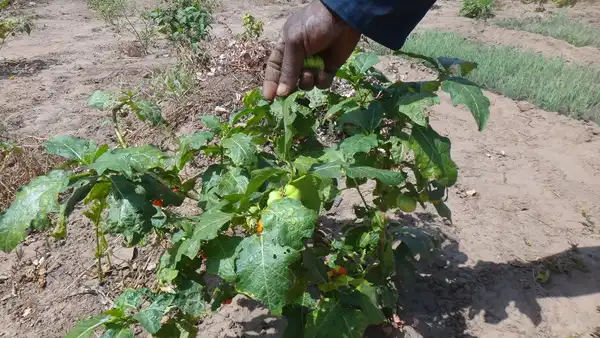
115,122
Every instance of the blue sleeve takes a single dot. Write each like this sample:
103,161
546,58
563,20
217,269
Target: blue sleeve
388,22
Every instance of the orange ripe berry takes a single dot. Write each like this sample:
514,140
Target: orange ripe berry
202,255
259,227
341,270
227,301
158,203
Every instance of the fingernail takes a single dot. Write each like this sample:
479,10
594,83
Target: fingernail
283,90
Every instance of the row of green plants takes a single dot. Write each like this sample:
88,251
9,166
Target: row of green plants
263,199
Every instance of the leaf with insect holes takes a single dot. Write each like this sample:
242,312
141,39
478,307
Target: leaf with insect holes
130,211
149,111
128,160
263,271
189,145
335,319
117,331
87,327
287,222
384,176
241,149
206,227
102,100
367,119
463,91
220,256
191,298
359,143
33,201
73,148
211,122
150,317
414,106
432,156
456,66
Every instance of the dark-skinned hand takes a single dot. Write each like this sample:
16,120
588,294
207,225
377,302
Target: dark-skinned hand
314,30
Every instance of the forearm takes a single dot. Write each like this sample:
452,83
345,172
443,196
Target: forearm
388,22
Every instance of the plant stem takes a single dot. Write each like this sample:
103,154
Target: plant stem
115,122
360,194
99,254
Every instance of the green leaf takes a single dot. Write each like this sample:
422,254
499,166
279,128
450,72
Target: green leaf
317,97
432,156
359,143
189,145
211,122
128,160
414,106
344,106
241,149
335,319
317,271
220,256
150,317
130,300
130,212
149,111
206,227
367,119
79,194
384,176
263,271
87,327
296,317
364,61
329,170
457,66
304,163
466,92
282,108
233,182
191,299
73,148
102,100
260,176
310,187
155,189
33,201
117,331
287,222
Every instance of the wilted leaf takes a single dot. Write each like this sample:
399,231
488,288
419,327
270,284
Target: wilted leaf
466,92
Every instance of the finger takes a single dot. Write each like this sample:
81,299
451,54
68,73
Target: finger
307,80
324,80
273,71
293,60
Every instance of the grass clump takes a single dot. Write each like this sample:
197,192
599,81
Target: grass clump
477,9
558,26
552,84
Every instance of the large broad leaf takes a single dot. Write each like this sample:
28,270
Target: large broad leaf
364,61
414,105
329,169
130,212
220,256
128,160
150,317
117,331
287,222
263,271
310,187
260,176
359,143
466,92
155,189
432,156
130,300
191,298
296,317
232,182
211,122
316,269
206,227
240,148
33,201
78,149
80,192
189,145
149,111
102,100
457,66
335,319
282,109
87,327
367,119
343,106
384,176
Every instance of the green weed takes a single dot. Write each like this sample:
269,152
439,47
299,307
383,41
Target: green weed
173,83
552,84
109,10
558,26
477,9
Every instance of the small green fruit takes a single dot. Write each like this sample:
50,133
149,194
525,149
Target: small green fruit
274,196
291,192
314,62
406,203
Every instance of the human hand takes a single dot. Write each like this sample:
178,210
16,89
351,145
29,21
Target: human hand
314,30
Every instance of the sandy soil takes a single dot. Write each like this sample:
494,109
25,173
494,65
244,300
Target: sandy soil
524,183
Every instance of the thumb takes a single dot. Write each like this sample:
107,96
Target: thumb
293,61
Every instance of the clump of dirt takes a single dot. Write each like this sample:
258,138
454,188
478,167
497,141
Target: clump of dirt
23,67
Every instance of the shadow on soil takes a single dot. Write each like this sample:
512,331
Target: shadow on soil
440,304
